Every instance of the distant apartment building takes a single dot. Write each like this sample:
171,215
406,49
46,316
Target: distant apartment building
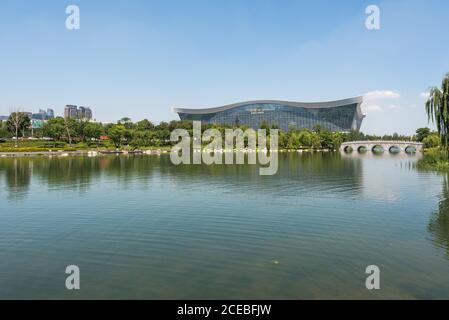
43,115
74,112
84,113
50,113
71,111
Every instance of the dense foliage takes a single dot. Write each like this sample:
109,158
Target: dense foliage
437,108
141,134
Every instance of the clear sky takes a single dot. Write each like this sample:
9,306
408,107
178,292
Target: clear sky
140,58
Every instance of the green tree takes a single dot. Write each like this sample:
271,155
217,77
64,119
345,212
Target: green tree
432,140
283,140
17,123
331,140
326,139
437,108
140,139
163,136
3,129
55,129
421,134
293,141
354,135
337,139
145,124
73,129
92,130
305,137
116,133
126,122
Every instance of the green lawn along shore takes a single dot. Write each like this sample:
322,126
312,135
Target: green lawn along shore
37,146
70,135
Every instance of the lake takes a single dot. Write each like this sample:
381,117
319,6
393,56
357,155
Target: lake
140,227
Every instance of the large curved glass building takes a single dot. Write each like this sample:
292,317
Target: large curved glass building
341,115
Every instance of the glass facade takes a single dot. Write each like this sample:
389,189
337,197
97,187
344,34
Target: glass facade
253,115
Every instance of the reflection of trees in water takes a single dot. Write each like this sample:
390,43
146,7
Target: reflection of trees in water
439,222
79,173
17,177
72,173
307,171
67,172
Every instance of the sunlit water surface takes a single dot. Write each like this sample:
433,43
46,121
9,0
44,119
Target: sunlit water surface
140,227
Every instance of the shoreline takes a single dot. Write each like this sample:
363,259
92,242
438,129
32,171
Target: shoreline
92,153
62,153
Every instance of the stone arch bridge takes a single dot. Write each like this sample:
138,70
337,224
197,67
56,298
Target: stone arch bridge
383,146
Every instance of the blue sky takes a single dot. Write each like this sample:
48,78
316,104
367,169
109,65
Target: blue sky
140,58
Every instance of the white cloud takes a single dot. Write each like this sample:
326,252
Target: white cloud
372,108
381,94
424,95
375,100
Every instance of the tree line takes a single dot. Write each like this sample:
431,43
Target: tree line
144,133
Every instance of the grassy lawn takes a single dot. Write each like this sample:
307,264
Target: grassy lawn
42,145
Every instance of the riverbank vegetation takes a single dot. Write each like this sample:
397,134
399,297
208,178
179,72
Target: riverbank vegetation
70,134
18,135
436,154
434,159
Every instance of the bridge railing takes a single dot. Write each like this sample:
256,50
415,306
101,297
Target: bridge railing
383,142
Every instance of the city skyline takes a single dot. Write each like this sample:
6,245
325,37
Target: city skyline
141,59
47,114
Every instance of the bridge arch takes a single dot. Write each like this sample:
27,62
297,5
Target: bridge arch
394,149
377,149
362,149
348,149
410,149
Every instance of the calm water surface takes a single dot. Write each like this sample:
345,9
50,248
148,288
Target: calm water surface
139,227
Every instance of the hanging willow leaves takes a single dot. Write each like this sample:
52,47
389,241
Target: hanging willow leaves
437,108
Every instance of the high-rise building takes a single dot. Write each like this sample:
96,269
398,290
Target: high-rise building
43,115
84,113
50,113
71,111
81,112
88,114
74,112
